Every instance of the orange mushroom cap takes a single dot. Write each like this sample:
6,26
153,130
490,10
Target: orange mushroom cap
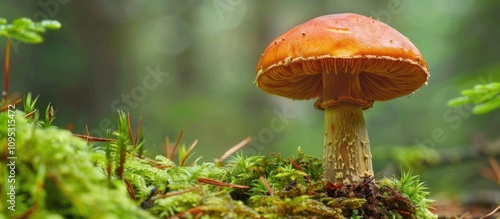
386,63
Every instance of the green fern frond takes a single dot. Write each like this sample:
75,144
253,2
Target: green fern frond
484,98
26,30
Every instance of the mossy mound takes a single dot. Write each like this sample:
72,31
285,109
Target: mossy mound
58,175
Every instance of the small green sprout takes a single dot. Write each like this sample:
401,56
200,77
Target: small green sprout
32,113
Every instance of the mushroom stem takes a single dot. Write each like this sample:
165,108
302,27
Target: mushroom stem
346,153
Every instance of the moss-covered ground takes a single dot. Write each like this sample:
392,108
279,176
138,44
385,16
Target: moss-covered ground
48,172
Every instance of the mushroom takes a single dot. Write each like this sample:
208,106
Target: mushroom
345,61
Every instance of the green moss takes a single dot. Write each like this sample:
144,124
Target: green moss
56,176
417,193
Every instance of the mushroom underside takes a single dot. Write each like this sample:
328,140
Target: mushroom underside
379,79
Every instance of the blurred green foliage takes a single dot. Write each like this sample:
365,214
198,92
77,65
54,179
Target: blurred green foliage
484,97
25,30
103,53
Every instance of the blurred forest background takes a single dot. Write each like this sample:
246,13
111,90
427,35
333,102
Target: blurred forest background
191,64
